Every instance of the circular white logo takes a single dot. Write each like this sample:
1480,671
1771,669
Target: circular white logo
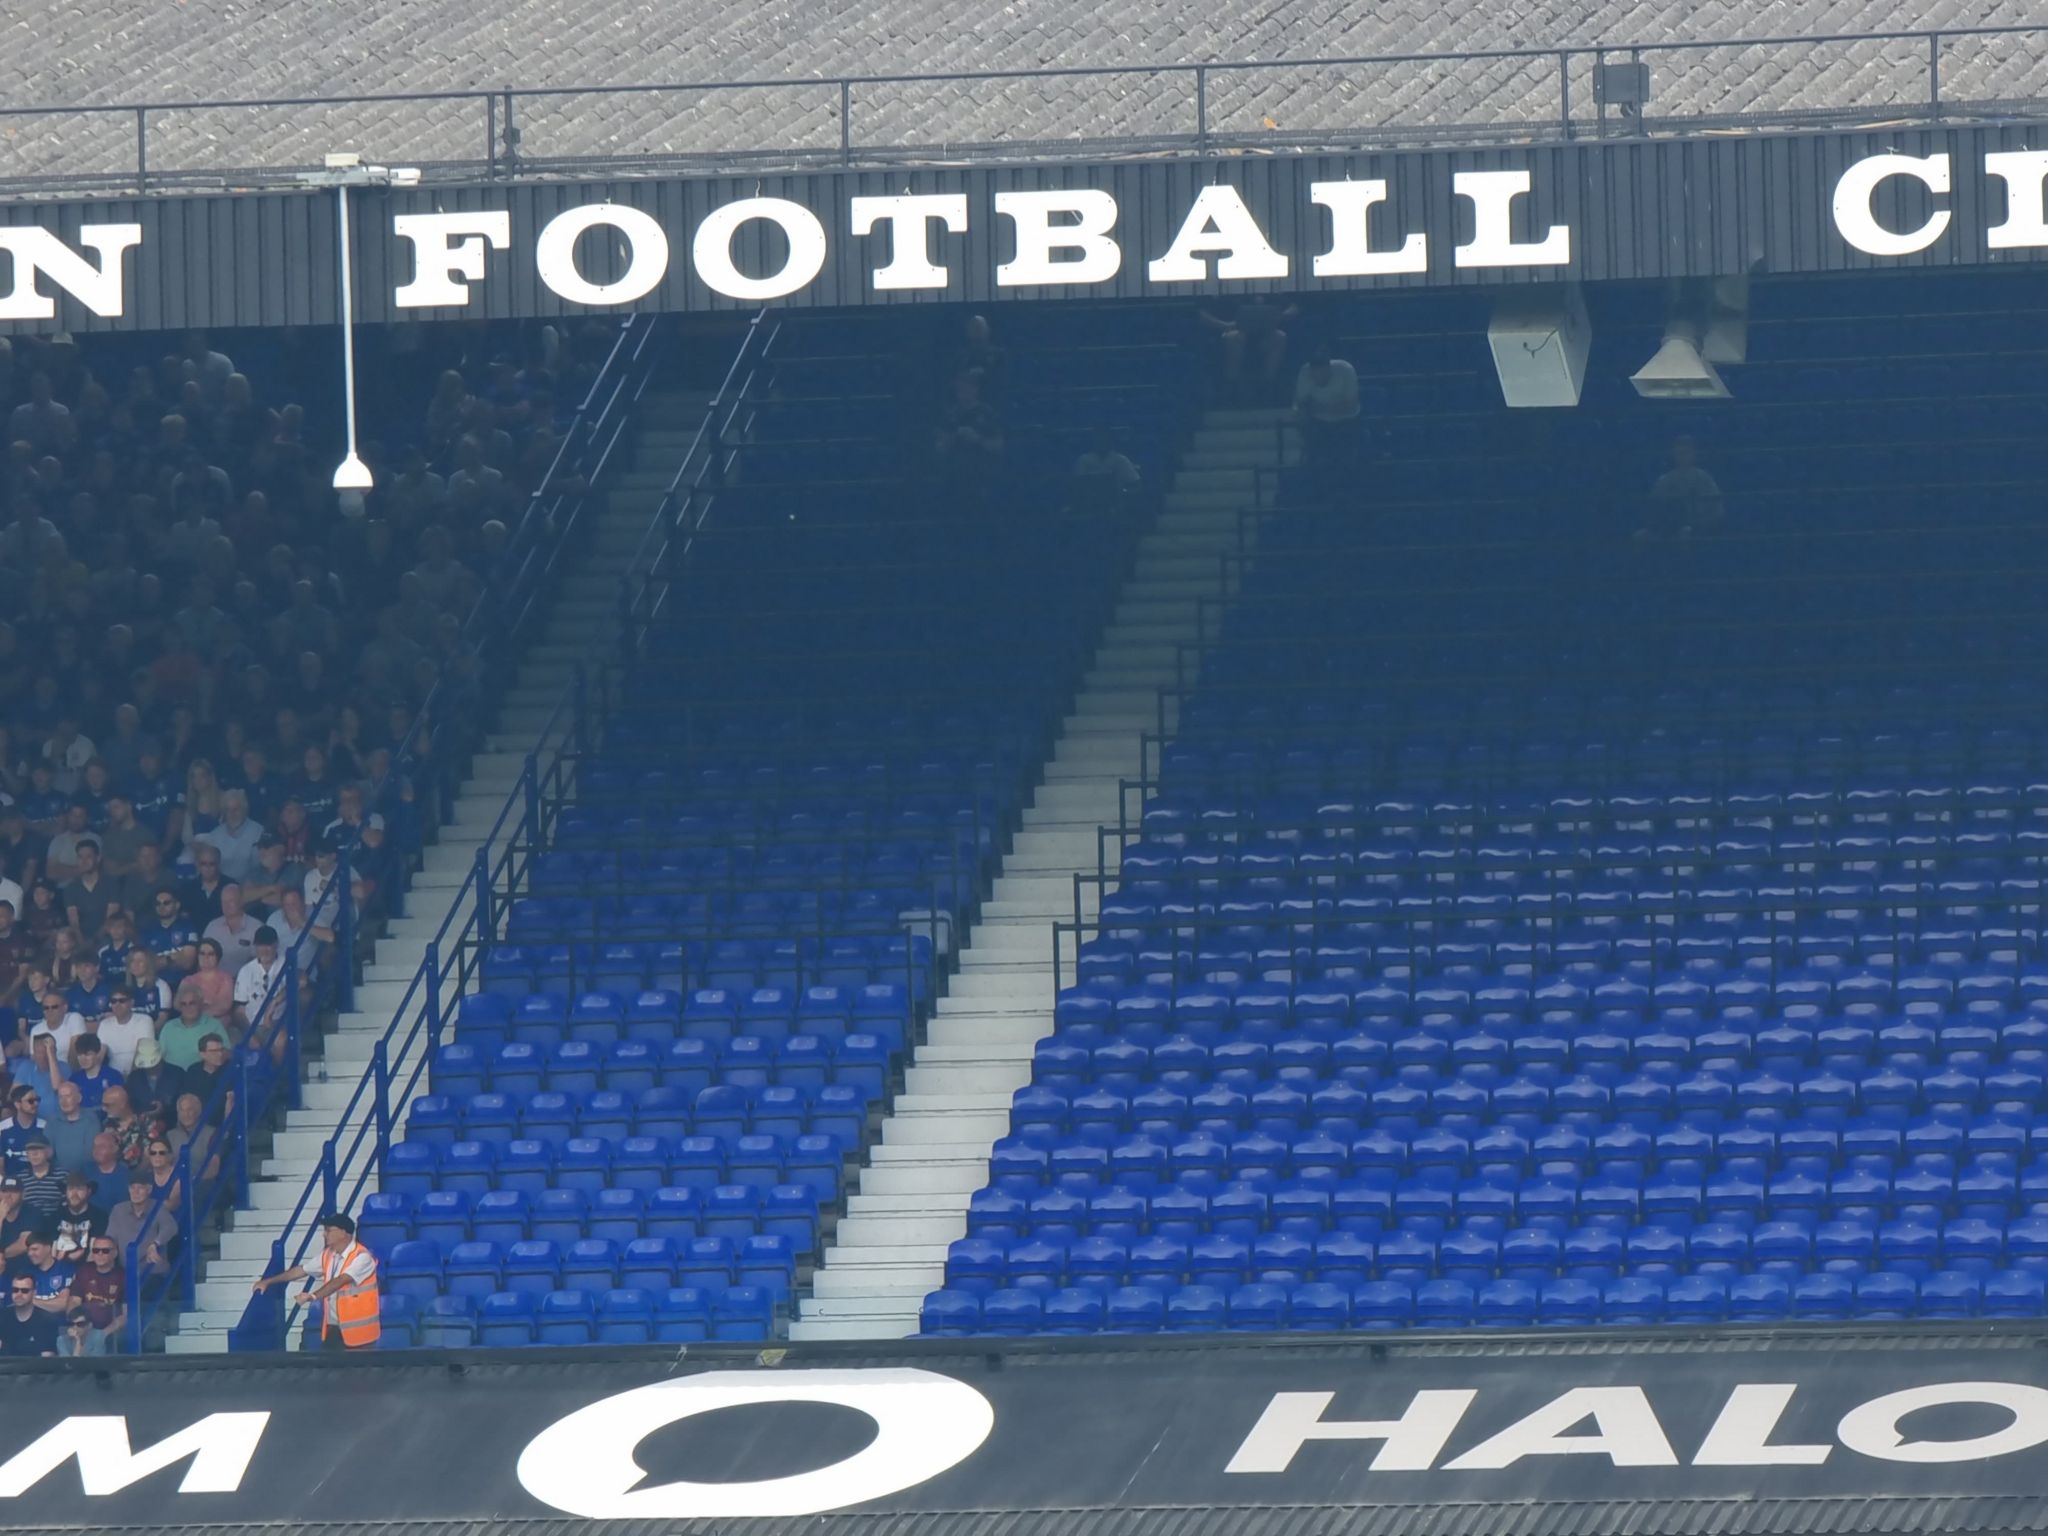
584,1464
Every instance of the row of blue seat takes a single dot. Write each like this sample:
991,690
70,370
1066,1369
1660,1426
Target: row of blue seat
590,1164
446,1217
860,1060
1697,1300
480,1268
724,1109
512,1320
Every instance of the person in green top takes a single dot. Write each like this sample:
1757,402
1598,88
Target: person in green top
179,1039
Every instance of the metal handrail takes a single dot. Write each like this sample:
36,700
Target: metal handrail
402,1054
502,155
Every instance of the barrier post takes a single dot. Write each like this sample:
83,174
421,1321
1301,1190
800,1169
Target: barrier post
345,934
486,926
380,1066
294,1090
133,1260
188,1255
241,1113
432,963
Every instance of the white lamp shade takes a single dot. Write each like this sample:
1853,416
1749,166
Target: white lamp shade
353,475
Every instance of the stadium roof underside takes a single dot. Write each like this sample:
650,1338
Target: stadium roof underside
1726,1433
126,51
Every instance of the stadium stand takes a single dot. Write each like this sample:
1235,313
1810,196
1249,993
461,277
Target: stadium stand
1542,915
736,923
231,719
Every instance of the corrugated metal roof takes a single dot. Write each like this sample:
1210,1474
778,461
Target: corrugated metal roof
149,50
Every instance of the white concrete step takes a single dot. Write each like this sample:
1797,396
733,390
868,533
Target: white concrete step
887,1235
1022,1030
810,1330
973,1078
939,1130
924,1203
910,1281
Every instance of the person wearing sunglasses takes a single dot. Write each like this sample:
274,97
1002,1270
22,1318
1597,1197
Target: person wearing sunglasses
99,1303
27,1332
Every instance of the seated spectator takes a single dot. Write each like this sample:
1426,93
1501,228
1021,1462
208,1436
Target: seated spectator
260,1000
214,982
108,1172
42,1186
99,1296
15,1224
152,993
1254,341
46,915
235,835
122,838
234,930
117,943
142,888
1326,412
200,896
23,1125
74,830
52,1276
171,937
89,995
161,1164
59,1026
290,922
88,1069
139,1220
275,874
123,1029
27,1331
72,1128
1103,480
1684,501
970,443
190,1130
15,950
180,1039
78,1221
131,1131
209,1080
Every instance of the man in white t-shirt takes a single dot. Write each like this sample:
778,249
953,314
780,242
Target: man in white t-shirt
254,986
123,1029
1326,412
59,1023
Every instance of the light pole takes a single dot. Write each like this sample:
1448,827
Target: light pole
344,172
352,474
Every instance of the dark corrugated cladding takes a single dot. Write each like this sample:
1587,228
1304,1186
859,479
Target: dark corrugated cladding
1635,209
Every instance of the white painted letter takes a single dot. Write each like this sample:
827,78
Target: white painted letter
1292,1419
1219,224
554,254
446,246
1351,253
712,250
1493,195
1031,214
98,288
1740,1435
1859,225
910,219
2022,171
220,1445
925,1423
1873,1429
1627,1432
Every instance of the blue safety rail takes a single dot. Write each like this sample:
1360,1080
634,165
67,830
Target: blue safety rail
538,552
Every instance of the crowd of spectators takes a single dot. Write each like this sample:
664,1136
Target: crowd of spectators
212,680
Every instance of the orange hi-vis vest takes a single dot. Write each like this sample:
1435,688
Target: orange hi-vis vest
353,1308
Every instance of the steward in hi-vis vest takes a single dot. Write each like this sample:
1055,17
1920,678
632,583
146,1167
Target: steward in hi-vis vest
347,1288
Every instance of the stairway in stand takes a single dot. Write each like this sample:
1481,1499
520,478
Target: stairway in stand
911,1199
582,626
